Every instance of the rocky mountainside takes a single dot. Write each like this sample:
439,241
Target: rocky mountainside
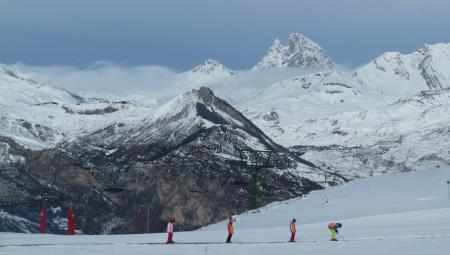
158,156
300,52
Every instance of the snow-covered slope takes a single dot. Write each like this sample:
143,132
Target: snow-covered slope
405,213
307,96
40,116
388,115
412,133
397,74
409,133
300,52
381,195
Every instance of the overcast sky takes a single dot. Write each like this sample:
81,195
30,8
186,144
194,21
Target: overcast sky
180,34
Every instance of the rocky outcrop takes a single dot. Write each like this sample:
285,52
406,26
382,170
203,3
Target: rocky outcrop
159,163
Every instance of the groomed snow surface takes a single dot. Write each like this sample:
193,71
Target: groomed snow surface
406,213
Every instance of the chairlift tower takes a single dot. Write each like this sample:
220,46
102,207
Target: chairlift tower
254,161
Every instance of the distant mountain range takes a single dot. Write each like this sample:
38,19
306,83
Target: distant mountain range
327,125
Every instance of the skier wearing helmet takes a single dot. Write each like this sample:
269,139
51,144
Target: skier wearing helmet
293,230
170,231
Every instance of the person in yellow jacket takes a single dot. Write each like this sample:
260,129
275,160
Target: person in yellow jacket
293,229
333,227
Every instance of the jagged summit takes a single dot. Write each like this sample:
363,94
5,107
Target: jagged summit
300,51
211,66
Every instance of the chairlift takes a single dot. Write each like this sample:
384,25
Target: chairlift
50,197
241,182
199,188
240,179
113,188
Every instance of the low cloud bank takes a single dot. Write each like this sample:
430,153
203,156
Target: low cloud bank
115,81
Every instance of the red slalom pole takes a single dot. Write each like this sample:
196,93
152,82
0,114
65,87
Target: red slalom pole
71,222
42,225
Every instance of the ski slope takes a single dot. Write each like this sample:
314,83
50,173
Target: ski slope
405,213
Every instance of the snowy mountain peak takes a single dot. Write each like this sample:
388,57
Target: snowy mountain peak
211,66
300,52
400,74
297,42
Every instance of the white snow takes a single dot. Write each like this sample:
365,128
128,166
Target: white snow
300,52
405,213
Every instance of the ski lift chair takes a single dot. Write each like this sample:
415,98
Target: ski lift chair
112,185
199,188
51,197
240,182
113,188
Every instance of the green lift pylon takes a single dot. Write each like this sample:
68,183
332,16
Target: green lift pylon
254,161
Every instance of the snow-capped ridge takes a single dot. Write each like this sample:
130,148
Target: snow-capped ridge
12,71
400,74
300,52
208,72
211,66
18,88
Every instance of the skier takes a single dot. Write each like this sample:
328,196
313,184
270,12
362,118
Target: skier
333,227
293,230
230,229
170,231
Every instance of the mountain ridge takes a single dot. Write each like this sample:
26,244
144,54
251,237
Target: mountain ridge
300,52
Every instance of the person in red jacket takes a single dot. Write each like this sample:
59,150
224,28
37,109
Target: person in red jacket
230,229
170,231
293,230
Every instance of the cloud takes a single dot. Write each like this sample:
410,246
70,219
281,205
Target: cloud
118,82
106,79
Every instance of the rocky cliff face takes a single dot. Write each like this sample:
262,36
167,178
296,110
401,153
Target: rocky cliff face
158,161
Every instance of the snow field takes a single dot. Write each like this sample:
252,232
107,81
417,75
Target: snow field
405,213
